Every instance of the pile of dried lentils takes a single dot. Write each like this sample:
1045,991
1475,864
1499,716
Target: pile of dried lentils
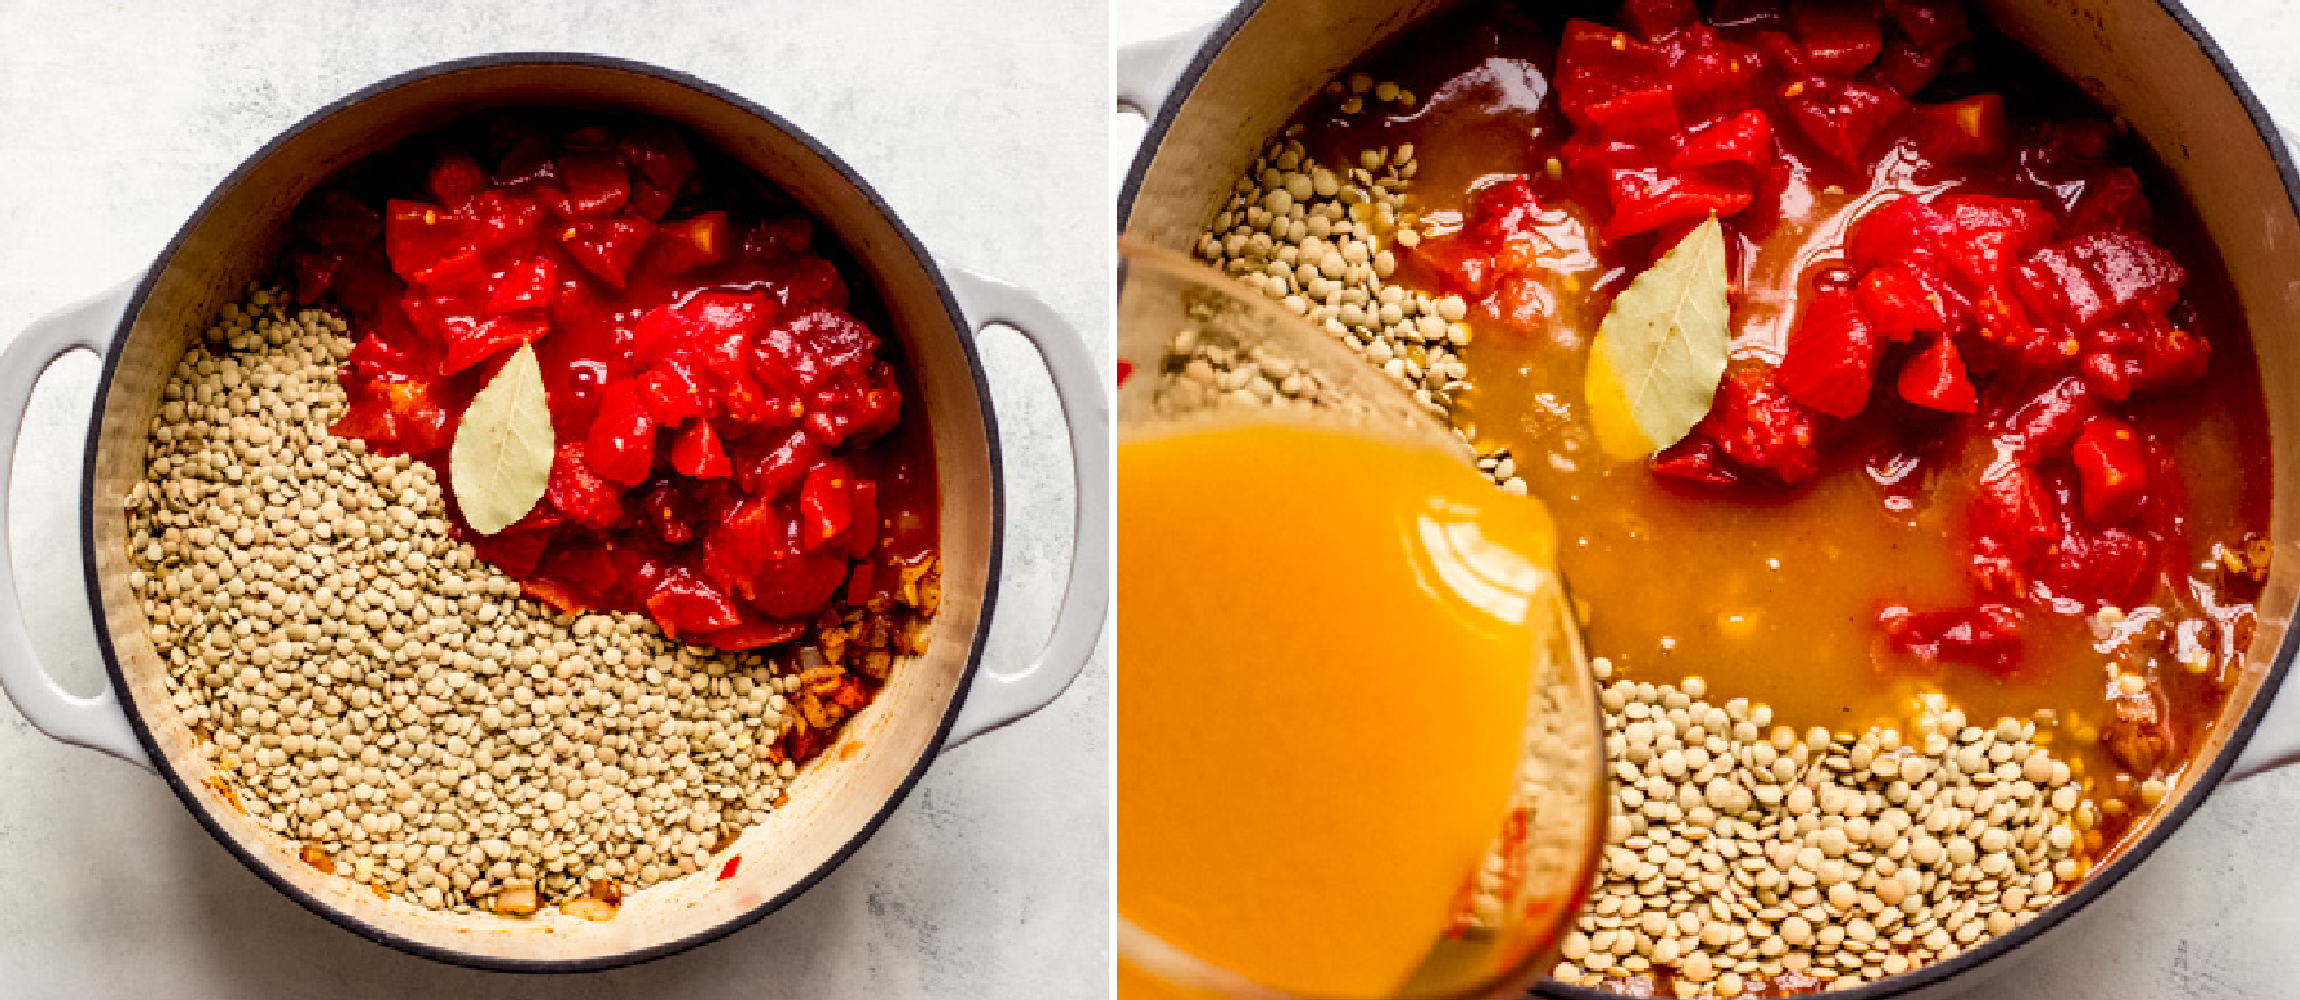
372,690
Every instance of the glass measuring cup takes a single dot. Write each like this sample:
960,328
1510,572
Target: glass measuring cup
1208,362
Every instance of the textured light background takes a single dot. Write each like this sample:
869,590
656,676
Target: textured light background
982,122
2215,914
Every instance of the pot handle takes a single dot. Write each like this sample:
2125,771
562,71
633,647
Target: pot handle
998,698
1147,71
97,722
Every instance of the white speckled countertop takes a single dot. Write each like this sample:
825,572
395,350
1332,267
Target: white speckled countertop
2215,914
982,122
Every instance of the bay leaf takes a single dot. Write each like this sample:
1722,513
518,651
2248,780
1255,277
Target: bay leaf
501,459
1660,351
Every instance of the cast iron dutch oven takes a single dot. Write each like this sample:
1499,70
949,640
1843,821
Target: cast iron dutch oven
932,702
1214,96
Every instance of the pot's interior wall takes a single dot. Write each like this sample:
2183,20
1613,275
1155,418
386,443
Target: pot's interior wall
2137,60
832,799
1280,56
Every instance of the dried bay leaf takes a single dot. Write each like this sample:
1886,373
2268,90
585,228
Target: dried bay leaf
501,459
1659,353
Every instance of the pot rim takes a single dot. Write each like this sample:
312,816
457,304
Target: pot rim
470,959
1928,976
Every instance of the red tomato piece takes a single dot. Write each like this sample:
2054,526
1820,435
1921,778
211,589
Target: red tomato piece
1987,636
2013,508
824,510
336,220
1968,129
1458,265
1501,213
747,635
418,236
657,155
2134,272
692,243
607,247
578,492
621,445
1843,117
1905,298
528,284
1744,140
775,470
2146,354
698,454
1832,357
1905,67
1713,76
1935,379
1985,236
1596,64
1840,39
670,510
1643,201
815,282
2041,429
2057,288
456,179
1652,19
596,184
777,239
1697,459
2112,199
687,603
1903,229
863,533
501,220
2112,471
1931,24
673,390
1647,113
1761,428
498,334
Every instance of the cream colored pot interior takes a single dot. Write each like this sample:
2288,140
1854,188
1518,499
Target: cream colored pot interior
834,799
2132,56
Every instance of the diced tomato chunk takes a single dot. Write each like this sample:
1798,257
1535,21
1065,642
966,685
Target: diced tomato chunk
1746,139
528,284
621,446
692,243
1987,636
1967,129
2111,468
697,453
1652,19
1596,64
824,508
1843,117
1761,428
2041,429
578,492
456,179
2112,199
1840,39
1903,229
496,335
687,603
1984,236
1832,357
1935,379
1644,201
1905,298
607,247
596,184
